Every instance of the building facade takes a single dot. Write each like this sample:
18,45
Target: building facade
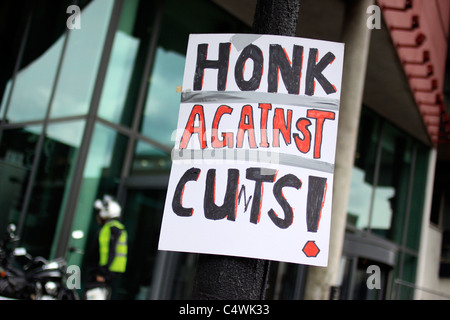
89,103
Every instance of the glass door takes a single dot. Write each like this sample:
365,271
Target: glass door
364,279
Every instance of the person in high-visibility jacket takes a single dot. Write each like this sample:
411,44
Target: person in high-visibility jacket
110,248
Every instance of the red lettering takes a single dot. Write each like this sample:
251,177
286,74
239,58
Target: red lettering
303,145
265,107
279,125
227,138
246,124
191,129
320,117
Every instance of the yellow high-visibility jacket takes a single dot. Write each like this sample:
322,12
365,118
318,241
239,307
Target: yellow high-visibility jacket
114,261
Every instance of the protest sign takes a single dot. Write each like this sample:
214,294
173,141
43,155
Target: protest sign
253,160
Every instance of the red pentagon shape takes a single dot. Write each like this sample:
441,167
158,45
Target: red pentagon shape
310,249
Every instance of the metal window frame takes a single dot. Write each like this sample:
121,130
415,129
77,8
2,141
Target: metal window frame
134,134
376,175
23,44
367,233
91,120
394,250
40,143
44,122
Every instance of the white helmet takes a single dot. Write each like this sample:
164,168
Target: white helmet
108,207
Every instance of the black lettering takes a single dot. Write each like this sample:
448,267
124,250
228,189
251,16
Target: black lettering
221,64
177,202
315,70
229,206
256,175
317,188
288,180
279,61
249,52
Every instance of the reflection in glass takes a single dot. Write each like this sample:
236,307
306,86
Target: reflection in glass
50,186
391,193
81,61
162,105
28,97
35,81
381,188
32,88
118,77
101,176
128,62
417,198
406,273
105,153
17,150
67,133
360,199
150,160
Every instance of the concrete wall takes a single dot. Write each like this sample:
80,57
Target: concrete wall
430,286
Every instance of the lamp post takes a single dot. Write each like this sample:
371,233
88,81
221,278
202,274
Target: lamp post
236,278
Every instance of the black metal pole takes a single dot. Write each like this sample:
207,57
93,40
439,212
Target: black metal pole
277,17
235,278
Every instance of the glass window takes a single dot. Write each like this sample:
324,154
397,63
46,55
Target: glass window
355,278
81,61
286,281
37,81
404,277
380,194
51,185
17,150
417,198
39,64
362,181
101,176
127,62
118,77
161,106
42,56
57,155
15,15
393,180
387,194
150,160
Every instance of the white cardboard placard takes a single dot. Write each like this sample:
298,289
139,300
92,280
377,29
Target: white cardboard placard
253,160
